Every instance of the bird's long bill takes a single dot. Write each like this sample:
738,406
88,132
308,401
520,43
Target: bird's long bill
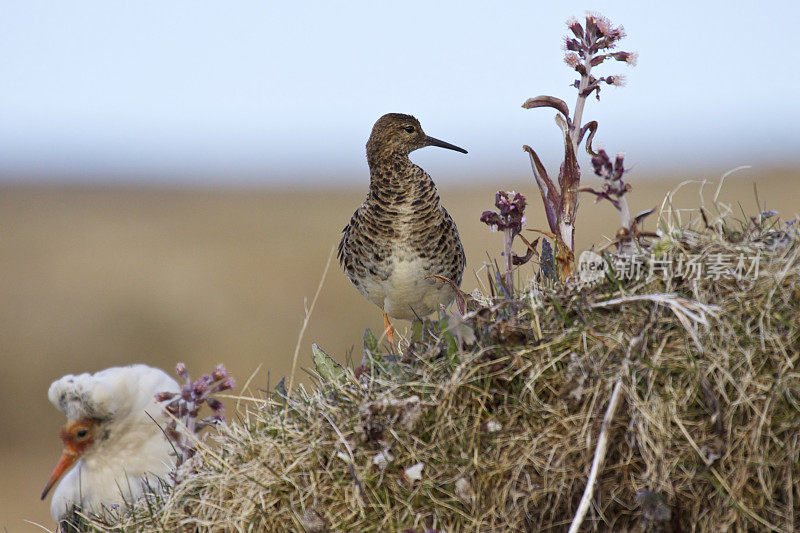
430,141
67,458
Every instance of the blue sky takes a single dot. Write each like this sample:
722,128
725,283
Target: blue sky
286,92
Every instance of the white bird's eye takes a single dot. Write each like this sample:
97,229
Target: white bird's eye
409,129
81,434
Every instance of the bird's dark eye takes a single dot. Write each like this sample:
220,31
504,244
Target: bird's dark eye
409,129
81,434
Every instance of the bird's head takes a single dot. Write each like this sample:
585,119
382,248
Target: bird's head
77,436
396,133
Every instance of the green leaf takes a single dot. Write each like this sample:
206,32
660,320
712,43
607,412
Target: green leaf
372,354
370,341
451,344
328,369
417,330
452,347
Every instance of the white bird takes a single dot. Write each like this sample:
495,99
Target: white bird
113,436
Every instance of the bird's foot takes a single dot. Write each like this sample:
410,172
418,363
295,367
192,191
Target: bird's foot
389,328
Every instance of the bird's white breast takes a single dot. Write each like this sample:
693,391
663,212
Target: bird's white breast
406,294
95,484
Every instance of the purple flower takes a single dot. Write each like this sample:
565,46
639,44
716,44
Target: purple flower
575,27
200,386
630,58
219,373
163,396
511,207
186,406
180,369
491,219
214,404
509,218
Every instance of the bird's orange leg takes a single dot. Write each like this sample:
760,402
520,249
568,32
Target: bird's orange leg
388,327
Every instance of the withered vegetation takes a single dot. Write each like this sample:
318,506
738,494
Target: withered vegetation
490,422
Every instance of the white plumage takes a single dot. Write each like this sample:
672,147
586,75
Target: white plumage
112,436
406,294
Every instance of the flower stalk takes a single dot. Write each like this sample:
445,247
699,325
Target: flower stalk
614,190
509,218
184,406
591,45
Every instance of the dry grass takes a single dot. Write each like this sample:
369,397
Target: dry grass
505,427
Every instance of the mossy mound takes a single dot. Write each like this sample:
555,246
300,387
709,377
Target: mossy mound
490,423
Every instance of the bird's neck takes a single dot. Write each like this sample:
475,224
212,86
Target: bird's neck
378,156
132,444
396,180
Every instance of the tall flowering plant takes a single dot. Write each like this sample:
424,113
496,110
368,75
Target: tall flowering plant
590,45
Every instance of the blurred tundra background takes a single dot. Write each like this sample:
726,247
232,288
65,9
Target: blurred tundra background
174,177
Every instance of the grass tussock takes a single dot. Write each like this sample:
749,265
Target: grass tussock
490,423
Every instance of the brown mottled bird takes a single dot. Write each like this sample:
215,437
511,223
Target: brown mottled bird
401,233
